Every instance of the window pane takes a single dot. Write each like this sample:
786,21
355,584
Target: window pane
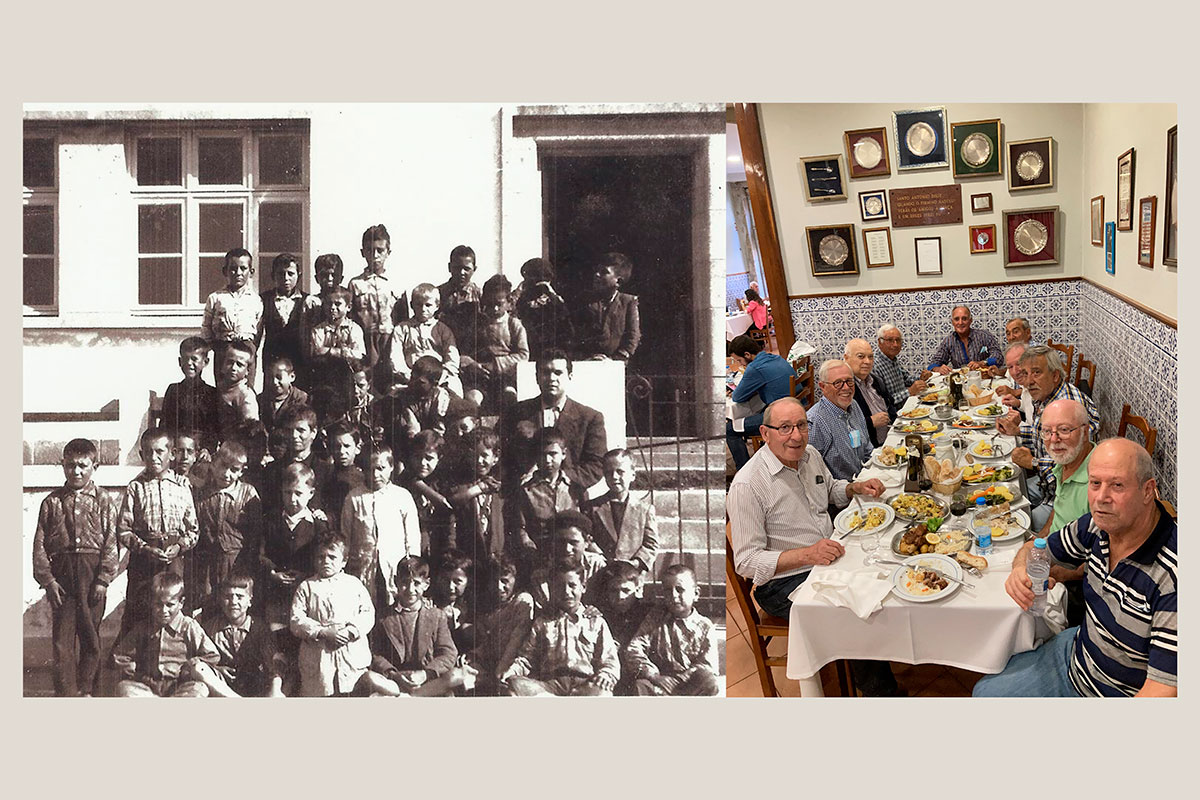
39,162
39,230
160,229
160,281
39,281
281,227
211,278
221,228
160,162
220,160
279,160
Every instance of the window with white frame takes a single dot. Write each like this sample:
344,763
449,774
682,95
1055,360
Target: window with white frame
206,188
40,225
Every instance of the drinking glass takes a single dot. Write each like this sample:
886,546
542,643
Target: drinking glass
870,544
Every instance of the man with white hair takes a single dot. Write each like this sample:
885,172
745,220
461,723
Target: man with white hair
1128,643
895,379
1015,396
1017,329
872,398
965,346
838,428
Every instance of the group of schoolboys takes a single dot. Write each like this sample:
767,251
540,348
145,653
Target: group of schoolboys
351,530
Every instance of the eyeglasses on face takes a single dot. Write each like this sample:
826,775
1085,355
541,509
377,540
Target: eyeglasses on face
842,384
786,428
892,339
1062,431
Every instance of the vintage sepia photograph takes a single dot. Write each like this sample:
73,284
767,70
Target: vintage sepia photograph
372,400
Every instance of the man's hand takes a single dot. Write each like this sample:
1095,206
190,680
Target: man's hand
605,683
1003,390
976,364
99,591
1009,424
412,678
55,594
1023,457
156,553
944,369
822,553
918,387
170,552
996,372
871,486
1020,588
880,419
926,375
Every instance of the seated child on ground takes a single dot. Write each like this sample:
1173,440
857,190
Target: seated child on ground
332,615
414,653
157,656
570,650
621,586
570,543
453,592
504,628
478,505
491,346
230,515
624,525
191,404
344,443
237,402
75,559
424,481
424,335
607,325
250,665
675,649
280,395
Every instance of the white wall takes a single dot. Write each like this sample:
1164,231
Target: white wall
793,131
1109,130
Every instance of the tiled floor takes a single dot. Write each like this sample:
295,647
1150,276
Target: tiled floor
741,675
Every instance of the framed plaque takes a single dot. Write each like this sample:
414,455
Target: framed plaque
981,203
1126,164
929,255
1110,248
926,205
1170,251
1031,236
831,249
1031,164
822,177
920,138
1147,207
867,152
976,148
1098,221
983,239
873,205
877,245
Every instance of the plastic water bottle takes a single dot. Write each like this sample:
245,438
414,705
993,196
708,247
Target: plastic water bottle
1037,567
983,533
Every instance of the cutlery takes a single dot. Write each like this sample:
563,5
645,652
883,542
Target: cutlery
935,571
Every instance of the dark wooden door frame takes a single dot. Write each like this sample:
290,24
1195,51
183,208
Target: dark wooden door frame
759,188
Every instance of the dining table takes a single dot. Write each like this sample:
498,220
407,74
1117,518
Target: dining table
975,628
736,325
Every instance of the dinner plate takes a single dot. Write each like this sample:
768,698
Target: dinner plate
997,465
955,423
917,412
900,422
1016,532
900,462
1000,449
977,412
841,522
901,582
943,507
900,535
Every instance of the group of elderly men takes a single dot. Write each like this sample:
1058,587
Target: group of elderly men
1112,542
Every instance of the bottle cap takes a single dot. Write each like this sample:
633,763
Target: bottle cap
1039,543
979,501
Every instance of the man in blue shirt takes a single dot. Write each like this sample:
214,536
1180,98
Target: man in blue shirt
767,377
965,346
836,425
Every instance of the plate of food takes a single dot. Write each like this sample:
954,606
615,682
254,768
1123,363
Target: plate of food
878,517
934,397
916,582
994,495
918,507
918,540
918,412
966,422
988,473
1008,526
985,448
989,412
916,426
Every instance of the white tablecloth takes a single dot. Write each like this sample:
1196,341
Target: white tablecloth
976,629
736,325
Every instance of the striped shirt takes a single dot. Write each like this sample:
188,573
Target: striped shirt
895,379
980,346
1030,434
230,316
773,508
158,512
1130,632
829,430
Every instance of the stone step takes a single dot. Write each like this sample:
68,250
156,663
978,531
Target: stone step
699,504
668,479
688,534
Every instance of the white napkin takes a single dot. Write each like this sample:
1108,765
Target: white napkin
861,591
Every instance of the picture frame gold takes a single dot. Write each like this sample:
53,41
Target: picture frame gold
1147,211
867,146
1098,220
875,242
1126,174
832,249
823,177
1170,242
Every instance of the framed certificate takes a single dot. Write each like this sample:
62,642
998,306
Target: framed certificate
831,249
929,255
1126,164
822,176
877,244
1098,220
867,152
1170,251
1030,164
976,146
873,205
983,239
920,138
1147,208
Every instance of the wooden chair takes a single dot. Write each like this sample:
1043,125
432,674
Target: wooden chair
761,628
803,386
1067,351
1148,434
1088,386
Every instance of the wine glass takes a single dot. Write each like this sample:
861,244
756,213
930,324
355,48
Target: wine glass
870,544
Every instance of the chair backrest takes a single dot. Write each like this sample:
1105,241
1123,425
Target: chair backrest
1148,434
1067,351
1088,386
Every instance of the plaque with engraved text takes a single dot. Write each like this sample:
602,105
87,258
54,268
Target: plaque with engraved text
926,205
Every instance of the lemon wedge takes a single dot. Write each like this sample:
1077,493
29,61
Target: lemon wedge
932,538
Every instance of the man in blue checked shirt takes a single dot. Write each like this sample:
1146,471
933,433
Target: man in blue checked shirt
837,427
966,346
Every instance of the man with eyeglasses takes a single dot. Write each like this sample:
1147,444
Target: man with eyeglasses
1015,396
1045,378
838,428
895,380
780,527
965,346
874,401
767,378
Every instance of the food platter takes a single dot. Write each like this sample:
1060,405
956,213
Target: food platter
918,412
998,449
906,586
1017,525
994,494
966,422
924,426
974,474
918,507
849,516
989,412
948,540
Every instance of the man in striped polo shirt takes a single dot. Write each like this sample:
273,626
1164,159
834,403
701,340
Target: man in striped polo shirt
1128,642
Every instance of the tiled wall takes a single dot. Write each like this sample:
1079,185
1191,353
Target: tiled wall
735,289
1108,331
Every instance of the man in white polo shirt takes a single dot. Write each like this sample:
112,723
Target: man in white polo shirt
778,510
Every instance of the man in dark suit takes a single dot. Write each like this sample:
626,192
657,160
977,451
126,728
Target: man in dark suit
878,408
581,426
607,326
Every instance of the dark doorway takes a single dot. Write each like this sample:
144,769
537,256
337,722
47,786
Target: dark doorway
640,205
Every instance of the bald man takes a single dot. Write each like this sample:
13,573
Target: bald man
878,407
1127,644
